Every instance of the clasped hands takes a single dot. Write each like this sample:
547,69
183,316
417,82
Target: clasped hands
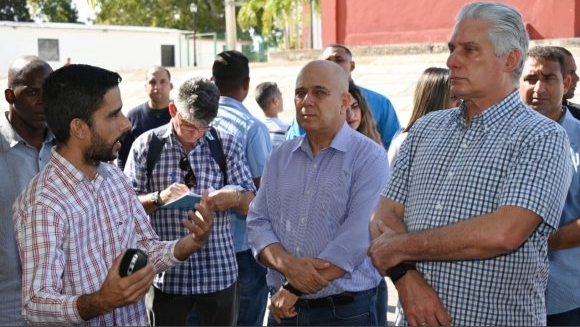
306,277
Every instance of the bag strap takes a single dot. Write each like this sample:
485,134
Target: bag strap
159,138
217,152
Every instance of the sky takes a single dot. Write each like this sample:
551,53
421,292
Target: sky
85,12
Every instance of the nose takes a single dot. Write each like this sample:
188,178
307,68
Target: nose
539,86
125,124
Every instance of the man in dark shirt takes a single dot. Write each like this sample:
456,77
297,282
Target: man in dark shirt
150,114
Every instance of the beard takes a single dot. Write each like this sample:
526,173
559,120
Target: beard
99,151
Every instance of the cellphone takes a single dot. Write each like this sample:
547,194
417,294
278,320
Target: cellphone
133,260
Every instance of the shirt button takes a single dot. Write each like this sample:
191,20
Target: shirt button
464,145
450,174
302,220
438,206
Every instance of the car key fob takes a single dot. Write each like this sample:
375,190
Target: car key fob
133,260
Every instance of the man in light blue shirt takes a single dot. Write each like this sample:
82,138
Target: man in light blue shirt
25,144
309,222
231,73
383,111
542,85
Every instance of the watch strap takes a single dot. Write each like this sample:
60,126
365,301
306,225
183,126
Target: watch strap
287,286
400,270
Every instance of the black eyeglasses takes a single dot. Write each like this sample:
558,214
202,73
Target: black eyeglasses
190,179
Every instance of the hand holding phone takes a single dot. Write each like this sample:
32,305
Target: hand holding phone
133,260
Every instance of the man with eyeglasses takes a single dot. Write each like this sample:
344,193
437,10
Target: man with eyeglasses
207,283
25,144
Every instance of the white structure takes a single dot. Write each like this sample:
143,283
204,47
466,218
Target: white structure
108,46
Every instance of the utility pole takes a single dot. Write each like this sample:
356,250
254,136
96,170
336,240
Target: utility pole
193,9
230,13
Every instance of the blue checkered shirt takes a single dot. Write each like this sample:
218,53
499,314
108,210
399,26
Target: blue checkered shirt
214,267
449,171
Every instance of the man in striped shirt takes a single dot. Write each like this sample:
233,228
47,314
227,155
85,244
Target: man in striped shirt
77,217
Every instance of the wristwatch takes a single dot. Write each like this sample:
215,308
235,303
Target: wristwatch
400,270
156,198
287,286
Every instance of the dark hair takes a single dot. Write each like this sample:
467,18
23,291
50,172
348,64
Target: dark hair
20,67
230,69
264,93
341,46
367,125
75,91
565,51
198,99
548,53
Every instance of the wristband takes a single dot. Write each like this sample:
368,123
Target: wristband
399,271
287,286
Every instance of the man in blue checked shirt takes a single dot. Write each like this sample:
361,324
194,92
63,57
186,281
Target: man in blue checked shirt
309,222
542,85
462,227
207,282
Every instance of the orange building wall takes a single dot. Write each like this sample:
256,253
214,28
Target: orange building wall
376,22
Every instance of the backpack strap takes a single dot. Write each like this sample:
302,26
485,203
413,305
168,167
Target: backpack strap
217,152
158,139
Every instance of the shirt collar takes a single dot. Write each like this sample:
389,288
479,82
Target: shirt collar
494,114
9,138
340,142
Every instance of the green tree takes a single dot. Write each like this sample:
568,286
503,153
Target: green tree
275,21
55,11
14,10
162,13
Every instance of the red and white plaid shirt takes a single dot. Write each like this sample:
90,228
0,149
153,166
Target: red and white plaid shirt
69,231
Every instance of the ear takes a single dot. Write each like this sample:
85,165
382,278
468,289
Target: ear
9,96
512,60
352,65
79,129
345,103
171,86
172,109
567,82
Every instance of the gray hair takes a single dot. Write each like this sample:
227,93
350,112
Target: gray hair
507,31
198,99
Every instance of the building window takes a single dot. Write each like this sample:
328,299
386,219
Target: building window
48,49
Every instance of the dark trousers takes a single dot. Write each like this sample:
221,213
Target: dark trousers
568,318
213,309
253,292
347,309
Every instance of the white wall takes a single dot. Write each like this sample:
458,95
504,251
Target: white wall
107,46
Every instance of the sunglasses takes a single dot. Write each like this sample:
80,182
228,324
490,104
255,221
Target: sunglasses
190,179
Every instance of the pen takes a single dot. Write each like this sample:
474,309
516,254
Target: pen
173,178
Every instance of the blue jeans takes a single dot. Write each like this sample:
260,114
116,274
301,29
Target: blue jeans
382,303
360,312
568,318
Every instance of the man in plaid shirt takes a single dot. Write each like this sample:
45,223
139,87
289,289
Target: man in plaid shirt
463,224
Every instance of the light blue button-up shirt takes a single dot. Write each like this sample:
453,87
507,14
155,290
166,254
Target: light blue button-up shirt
562,292
19,162
320,206
253,134
450,170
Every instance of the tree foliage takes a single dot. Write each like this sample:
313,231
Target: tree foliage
273,20
55,11
14,10
163,13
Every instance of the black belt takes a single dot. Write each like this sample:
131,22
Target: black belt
327,302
